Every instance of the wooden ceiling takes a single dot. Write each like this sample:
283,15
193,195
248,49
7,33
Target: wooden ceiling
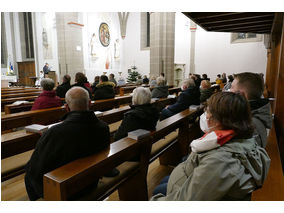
257,22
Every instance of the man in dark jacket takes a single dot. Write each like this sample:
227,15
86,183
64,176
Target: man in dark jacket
205,90
251,86
80,79
48,98
105,89
190,95
161,90
64,87
67,141
141,116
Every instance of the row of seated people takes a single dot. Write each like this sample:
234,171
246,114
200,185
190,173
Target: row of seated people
227,163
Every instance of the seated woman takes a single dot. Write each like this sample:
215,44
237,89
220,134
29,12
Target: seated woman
190,95
141,116
105,89
80,80
226,163
161,90
205,90
48,98
64,87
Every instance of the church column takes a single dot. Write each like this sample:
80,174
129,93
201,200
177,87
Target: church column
192,47
162,45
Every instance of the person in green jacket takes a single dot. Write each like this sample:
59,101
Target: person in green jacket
205,90
226,163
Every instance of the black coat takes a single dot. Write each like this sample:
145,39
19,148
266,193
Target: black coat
104,90
62,89
83,86
139,117
160,92
190,96
79,135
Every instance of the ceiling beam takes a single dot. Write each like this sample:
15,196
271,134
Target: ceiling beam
245,30
200,15
261,25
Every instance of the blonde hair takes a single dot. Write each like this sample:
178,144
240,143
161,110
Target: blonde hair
141,96
205,84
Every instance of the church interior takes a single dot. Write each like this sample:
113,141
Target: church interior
134,50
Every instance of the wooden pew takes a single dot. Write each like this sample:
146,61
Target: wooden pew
20,91
12,100
51,115
24,94
64,182
273,187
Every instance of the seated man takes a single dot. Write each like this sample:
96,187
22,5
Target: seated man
80,80
190,95
48,98
79,135
205,90
64,87
112,79
161,90
141,116
105,89
251,86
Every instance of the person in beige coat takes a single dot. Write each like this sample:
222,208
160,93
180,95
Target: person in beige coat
226,163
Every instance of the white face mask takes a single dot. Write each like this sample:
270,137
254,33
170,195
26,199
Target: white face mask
203,123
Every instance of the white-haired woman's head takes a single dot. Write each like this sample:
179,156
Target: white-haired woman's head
141,96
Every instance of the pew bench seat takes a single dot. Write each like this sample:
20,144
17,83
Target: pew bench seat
14,165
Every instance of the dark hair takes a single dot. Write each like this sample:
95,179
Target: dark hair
233,112
111,75
252,83
231,78
219,76
162,74
204,76
80,78
97,78
66,79
104,78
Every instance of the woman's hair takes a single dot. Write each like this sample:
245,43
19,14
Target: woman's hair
97,78
104,78
205,84
66,79
161,81
233,112
141,96
47,84
80,78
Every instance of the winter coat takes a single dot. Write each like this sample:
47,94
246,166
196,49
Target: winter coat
145,80
47,99
79,135
139,117
190,96
205,94
104,90
62,89
230,172
262,120
83,86
160,92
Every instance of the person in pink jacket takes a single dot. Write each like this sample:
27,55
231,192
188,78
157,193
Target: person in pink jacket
48,98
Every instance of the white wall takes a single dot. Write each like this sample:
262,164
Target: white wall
182,41
132,54
215,54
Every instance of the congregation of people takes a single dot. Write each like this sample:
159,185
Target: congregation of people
228,162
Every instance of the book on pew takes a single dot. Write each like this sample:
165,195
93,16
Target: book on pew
36,128
138,134
195,107
155,99
98,113
20,102
171,96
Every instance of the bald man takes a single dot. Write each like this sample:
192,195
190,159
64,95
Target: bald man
79,135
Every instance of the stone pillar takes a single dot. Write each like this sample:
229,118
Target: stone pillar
162,45
192,47
70,44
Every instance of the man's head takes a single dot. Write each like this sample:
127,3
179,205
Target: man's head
219,76
248,84
162,74
46,64
79,77
47,84
205,84
66,79
204,76
187,83
77,99
104,78
111,76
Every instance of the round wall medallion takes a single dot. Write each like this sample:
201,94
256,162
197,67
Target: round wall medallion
104,34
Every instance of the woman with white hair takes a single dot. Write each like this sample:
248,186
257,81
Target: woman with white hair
141,116
161,90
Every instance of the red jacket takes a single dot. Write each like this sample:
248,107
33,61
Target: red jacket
47,99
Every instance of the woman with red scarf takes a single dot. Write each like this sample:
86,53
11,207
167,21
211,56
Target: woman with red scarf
226,163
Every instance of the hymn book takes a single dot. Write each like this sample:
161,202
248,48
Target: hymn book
138,134
36,128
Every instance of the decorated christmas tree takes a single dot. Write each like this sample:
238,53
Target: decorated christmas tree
133,74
